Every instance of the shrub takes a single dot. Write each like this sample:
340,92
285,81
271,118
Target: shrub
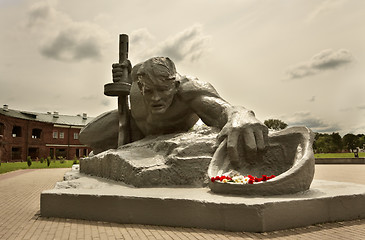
29,161
41,160
76,161
48,161
62,160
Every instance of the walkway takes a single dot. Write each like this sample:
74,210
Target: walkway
19,214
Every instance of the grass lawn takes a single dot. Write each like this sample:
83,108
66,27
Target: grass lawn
337,155
12,166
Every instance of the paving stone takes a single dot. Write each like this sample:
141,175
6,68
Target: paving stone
20,201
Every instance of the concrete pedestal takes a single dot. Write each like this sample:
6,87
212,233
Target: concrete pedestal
94,198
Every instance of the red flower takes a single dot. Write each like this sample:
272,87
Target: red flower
251,180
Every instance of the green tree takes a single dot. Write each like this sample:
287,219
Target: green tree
336,142
327,143
351,141
322,143
275,124
361,140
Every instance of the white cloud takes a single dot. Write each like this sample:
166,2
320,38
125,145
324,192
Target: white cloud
96,99
6,3
39,13
141,36
347,109
356,129
105,102
63,38
323,8
73,44
362,107
313,99
316,124
325,60
189,44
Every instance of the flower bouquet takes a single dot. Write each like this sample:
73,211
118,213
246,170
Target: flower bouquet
240,179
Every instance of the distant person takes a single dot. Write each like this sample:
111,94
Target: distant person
356,153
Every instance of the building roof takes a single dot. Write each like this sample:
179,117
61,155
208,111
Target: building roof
53,118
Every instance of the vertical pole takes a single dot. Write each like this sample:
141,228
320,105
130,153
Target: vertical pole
123,106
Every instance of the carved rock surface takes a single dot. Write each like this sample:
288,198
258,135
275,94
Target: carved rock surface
168,160
289,157
190,159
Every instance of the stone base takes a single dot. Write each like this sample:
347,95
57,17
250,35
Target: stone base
94,198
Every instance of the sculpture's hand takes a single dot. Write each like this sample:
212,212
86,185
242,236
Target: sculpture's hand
243,130
118,70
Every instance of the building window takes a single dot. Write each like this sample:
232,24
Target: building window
77,152
62,135
33,153
76,135
2,129
51,153
36,133
61,152
17,131
16,153
55,134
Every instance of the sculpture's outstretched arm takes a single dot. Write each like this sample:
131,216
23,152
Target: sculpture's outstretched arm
237,124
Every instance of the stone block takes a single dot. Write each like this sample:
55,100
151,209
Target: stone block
93,198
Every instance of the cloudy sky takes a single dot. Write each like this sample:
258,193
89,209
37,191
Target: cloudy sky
299,61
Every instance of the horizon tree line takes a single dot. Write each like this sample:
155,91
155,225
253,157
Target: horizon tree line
324,142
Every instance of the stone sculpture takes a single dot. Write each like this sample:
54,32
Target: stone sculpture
166,105
154,146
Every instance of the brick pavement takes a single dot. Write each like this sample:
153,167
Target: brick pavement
19,214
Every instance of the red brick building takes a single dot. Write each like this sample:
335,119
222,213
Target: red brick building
39,135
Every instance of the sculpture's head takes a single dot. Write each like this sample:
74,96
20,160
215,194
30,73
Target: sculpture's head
158,84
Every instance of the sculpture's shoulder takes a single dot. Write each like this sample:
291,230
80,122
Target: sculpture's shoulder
102,132
192,87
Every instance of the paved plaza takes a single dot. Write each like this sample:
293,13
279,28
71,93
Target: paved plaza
20,200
